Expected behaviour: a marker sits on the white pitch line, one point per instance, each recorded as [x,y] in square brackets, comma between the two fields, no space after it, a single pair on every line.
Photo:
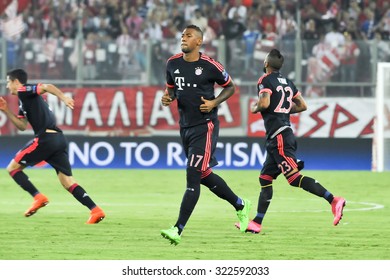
[374,206]
[371,206]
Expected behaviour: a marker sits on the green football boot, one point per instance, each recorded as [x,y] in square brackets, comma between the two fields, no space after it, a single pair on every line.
[243,215]
[172,234]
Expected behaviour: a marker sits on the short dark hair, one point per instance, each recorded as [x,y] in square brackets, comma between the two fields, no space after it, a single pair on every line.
[275,59]
[19,74]
[195,27]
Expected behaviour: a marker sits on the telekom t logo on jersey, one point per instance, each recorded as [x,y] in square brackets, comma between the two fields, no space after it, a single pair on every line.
[179,81]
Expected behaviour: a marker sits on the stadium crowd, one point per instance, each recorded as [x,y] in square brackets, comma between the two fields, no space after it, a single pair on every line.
[337,34]
[165,19]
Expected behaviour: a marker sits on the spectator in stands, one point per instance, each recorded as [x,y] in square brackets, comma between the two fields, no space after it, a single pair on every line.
[134,22]
[124,8]
[233,30]
[334,37]
[125,51]
[268,19]
[354,9]
[353,29]
[286,24]
[89,49]
[34,27]
[348,58]
[309,13]
[311,36]
[199,20]
[369,27]
[380,48]
[287,34]
[321,6]
[189,9]
[385,24]
[169,30]
[114,30]
[66,24]
[332,12]
[321,67]
[372,5]
[178,18]
[149,19]
[285,5]
[159,58]
[101,21]
[216,14]
[239,9]
[154,27]
[88,22]
[142,8]
[250,37]
[269,41]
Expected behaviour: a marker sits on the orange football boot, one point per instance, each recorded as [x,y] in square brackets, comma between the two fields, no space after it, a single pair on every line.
[39,201]
[97,215]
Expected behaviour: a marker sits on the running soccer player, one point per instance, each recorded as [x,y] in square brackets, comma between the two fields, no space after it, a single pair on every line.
[278,98]
[190,79]
[49,144]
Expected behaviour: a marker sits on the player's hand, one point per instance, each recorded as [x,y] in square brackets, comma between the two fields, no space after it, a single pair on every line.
[3,104]
[254,108]
[207,105]
[69,102]
[166,100]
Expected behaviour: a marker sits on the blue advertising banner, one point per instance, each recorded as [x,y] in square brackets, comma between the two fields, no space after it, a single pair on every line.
[167,152]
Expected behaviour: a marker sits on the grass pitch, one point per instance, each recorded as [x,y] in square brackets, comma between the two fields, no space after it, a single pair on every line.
[138,203]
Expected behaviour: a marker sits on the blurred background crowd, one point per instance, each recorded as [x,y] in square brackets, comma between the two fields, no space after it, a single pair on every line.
[324,41]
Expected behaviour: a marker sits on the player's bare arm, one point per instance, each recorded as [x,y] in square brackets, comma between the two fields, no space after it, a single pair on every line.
[226,93]
[20,123]
[168,97]
[69,102]
[299,104]
[262,103]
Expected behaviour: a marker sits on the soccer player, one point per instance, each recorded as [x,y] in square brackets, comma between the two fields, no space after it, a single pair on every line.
[49,143]
[278,98]
[190,79]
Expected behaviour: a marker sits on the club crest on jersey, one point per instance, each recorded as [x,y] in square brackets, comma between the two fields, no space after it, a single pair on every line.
[198,71]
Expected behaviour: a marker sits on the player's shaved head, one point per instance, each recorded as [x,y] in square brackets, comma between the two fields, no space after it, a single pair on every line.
[198,32]
[275,59]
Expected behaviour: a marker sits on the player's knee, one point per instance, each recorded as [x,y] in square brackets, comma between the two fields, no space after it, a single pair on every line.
[193,183]
[13,166]
[301,164]
[194,171]
[265,181]
[266,193]
[193,175]
[10,170]
[295,179]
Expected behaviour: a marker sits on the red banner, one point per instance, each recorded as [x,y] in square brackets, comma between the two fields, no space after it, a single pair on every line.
[327,118]
[124,111]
